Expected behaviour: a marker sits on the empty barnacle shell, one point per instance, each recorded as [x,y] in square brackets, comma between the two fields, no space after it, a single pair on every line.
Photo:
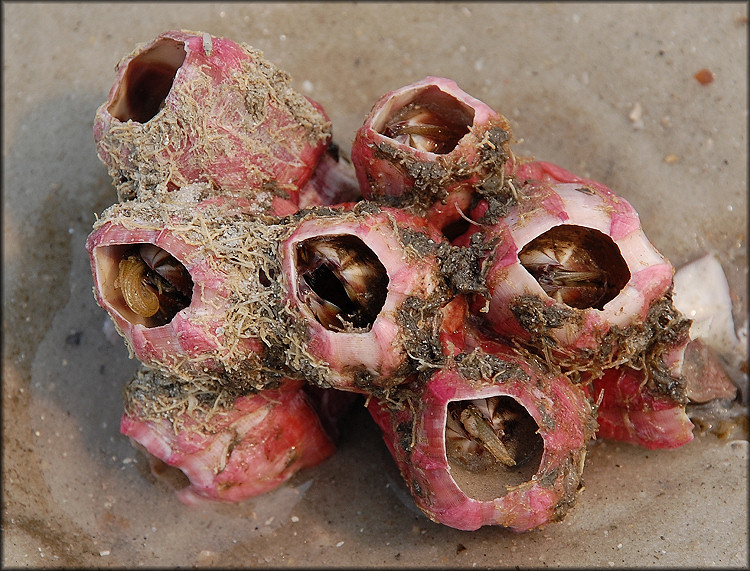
[179,114]
[214,440]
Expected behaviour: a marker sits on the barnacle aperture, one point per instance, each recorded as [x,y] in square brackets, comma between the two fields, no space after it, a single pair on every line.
[147,81]
[342,281]
[153,284]
[491,444]
[433,121]
[580,267]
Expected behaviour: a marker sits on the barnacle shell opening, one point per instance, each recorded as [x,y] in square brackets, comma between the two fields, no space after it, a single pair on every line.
[143,283]
[629,273]
[426,118]
[147,81]
[580,267]
[341,281]
[492,445]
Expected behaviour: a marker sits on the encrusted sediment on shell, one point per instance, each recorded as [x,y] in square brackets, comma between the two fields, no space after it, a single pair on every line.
[482,366]
[645,347]
[641,345]
[152,394]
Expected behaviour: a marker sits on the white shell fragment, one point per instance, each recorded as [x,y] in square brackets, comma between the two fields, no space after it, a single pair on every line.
[701,293]
[208,45]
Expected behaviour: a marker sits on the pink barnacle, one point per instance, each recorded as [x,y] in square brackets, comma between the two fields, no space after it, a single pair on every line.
[430,146]
[573,275]
[184,110]
[366,296]
[490,439]
[631,410]
[188,285]
[229,447]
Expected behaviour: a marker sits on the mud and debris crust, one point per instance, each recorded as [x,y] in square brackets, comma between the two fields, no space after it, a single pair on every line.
[153,395]
[481,366]
[494,188]
[465,268]
[570,478]
[428,179]
[420,322]
[665,327]
[538,317]
[496,191]
[640,345]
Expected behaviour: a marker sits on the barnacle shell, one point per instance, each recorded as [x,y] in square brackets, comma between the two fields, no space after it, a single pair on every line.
[523,497]
[635,289]
[179,113]
[230,448]
[403,286]
[428,146]
[627,411]
[229,324]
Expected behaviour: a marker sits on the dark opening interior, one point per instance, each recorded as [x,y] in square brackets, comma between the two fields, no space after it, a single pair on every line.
[432,121]
[147,81]
[580,267]
[341,280]
[457,228]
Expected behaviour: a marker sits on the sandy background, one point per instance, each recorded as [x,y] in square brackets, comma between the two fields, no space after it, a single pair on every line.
[607,91]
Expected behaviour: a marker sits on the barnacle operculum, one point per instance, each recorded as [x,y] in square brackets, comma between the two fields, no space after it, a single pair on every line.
[580,267]
[430,120]
[492,444]
[148,285]
[147,81]
[341,281]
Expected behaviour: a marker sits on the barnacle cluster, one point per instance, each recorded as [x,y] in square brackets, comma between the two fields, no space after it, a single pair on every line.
[487,306]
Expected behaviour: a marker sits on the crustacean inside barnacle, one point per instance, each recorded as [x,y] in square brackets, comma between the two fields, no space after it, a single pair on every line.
[494,434]
[147,81]
[153,284]
[580,267]
[433,122]
[341,280]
